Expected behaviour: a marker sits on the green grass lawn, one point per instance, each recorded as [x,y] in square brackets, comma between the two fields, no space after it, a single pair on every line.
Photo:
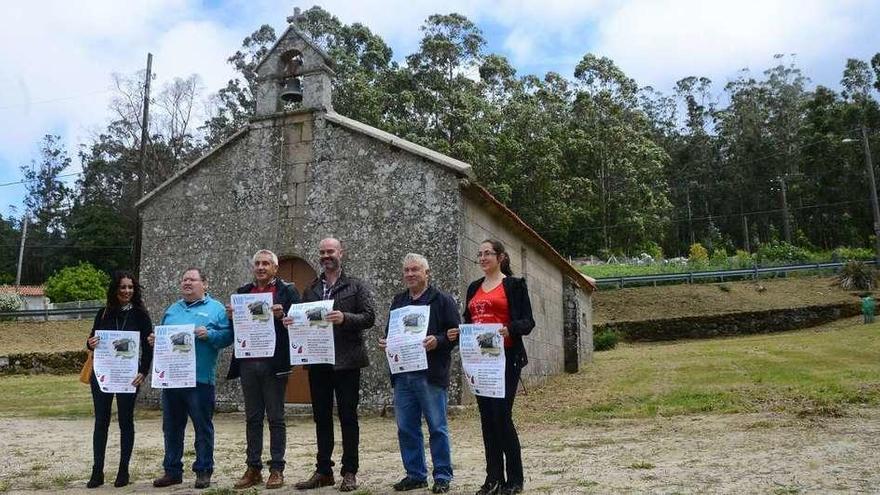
[811,372]
[819,371]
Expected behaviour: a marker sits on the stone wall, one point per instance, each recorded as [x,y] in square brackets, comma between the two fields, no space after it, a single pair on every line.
[545,345]
[725,325]
[287,183]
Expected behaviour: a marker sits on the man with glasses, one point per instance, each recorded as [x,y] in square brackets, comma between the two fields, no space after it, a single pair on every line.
[213,333]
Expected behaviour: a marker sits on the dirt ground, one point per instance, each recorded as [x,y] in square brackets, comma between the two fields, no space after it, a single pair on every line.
[671,301]
[743,453]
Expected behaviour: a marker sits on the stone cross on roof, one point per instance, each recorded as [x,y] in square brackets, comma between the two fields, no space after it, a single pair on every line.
[297,15]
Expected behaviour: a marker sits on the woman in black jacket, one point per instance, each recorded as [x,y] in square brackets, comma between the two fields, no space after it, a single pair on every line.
[124,311]
[498,297]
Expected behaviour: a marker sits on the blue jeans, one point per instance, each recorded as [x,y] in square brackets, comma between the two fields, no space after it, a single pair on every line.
[198,404]
[413,398]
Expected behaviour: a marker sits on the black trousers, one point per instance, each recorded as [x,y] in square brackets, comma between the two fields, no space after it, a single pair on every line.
[103,403]
[324,383]
[500,439]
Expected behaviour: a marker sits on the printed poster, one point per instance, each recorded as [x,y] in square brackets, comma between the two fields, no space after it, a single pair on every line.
[311,335]
[482,358]
[116,360]
[254,325]
[404,348]
[174,356]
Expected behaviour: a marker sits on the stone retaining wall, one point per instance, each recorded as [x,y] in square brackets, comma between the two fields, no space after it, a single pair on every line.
[730,324]
[55,363]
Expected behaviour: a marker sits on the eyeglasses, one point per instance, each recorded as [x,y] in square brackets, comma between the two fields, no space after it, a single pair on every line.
[483,254]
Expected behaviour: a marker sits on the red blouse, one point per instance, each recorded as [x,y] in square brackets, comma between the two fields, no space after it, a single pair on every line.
[491,307]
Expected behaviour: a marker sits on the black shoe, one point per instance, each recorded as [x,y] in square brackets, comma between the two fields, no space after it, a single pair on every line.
[97,478]
[203,480]
[408,483]
[166,480]
[510,489]
[440,486]
[122,478]
[489,488]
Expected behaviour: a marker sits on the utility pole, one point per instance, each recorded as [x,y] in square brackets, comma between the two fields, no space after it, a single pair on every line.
[145,134]
[24,224]
[786,226]
[875,209]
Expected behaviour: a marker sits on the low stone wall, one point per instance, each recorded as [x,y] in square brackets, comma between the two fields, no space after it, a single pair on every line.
[725,325]
[56,363]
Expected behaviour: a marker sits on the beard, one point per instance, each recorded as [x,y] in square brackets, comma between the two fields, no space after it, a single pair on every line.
[329,263]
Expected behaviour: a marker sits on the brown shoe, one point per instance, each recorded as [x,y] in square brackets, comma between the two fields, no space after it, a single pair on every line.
[349,483]
[316,481]
[166,480]
[251,477]
[276,479]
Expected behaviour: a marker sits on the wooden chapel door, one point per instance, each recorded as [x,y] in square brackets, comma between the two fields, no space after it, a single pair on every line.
[298,271]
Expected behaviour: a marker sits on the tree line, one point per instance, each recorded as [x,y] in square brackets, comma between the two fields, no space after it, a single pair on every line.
[596,163]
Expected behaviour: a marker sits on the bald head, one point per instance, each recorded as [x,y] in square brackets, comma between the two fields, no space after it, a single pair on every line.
[330,255]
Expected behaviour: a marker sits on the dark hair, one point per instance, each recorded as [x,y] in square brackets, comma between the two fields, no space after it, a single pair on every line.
[137,299]
[502,255]
[201,273]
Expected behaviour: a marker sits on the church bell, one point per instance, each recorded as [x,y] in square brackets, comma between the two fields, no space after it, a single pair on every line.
[292,91]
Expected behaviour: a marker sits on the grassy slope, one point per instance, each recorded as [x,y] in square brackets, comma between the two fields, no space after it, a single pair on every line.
[816,371]
[39,336]
[642,303]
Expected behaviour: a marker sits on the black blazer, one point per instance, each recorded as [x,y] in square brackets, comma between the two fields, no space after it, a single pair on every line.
[520,311]
[135,319]
[285,295]
[443,316]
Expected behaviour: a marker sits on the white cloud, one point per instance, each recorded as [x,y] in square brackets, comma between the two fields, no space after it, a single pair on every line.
[55,49]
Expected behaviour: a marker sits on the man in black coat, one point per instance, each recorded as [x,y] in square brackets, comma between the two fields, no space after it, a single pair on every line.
[424,392]
[264,380]
[352,314]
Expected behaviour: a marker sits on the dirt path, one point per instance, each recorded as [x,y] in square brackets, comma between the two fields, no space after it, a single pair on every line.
[746,453]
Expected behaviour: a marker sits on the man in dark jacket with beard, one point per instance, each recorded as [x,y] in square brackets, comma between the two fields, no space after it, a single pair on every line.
[352,314]
[264,380]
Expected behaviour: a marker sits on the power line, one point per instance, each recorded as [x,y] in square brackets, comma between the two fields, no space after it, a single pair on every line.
[53,100]
[25,181]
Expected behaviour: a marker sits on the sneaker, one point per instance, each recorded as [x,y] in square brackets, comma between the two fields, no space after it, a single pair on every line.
[251,477]
[440,486]
[317,480]
[203,480]
[407,484]
[166,480]
[276,479]
[489,488]
[511,489]
[349,483]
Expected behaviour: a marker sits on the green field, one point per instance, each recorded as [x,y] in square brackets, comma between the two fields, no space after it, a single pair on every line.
[810,372]
[819,371]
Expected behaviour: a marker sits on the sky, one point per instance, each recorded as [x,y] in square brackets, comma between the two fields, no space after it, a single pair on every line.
[57,57]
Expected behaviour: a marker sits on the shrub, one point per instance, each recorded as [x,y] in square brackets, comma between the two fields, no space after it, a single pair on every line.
[652,249]
[743,259]
[781,251]
[852,254]
[83,282]
[10,302]
[605,340]
[855,275]
[697,254]
[719,257]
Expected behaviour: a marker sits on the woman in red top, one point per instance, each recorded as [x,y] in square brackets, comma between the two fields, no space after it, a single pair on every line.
[498,297]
